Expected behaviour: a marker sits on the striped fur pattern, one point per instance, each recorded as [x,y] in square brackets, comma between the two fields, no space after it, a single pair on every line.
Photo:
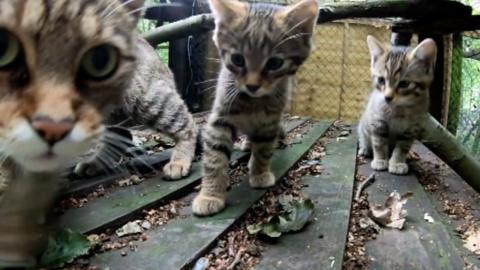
[151,100]
[63,65]
[398,103]
[261,47]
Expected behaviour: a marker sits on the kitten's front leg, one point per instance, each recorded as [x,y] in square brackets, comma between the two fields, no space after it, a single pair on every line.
[218,143]
[398,162]
[259,163]
[380,153]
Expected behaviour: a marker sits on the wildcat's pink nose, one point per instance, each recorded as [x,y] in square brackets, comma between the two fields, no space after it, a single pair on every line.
[50,130]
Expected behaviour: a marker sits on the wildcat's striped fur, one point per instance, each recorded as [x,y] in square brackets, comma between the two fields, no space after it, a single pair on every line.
[151,100]
[261,46]
[398,104]
[63,65]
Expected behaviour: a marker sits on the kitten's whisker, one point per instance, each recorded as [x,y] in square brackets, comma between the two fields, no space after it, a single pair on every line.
[291,37]
[119,7]
[295,27]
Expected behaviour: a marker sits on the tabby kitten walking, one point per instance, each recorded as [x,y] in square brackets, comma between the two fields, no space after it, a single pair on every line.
[151,100]
[261,47]
[398,104]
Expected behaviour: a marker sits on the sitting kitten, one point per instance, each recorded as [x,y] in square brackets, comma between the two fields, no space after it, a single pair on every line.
[151,100]
[398,104]
[261,47]
[63,65]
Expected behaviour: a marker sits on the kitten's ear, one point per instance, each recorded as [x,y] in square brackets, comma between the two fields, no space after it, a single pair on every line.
[135,7]
[376,48]
[227,10]
[303,14]
[426,51]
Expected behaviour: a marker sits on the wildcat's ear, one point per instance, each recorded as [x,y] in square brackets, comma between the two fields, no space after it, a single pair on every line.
[426,52]
[376,49]
[135,7]
[227,11]
[303,15]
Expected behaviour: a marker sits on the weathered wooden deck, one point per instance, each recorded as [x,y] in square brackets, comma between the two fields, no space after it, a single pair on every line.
[184,238]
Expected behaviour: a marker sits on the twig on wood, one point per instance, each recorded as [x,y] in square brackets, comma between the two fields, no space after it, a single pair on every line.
[237,259]
[363,185]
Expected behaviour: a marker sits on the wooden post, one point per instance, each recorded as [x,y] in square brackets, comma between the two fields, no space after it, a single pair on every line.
[455,96]
[436,90]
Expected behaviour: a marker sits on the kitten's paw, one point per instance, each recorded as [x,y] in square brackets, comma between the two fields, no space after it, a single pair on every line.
[207,205]
[177,169]
[398,168]
[245,146]
[87,168]
[263,180]
[379,164]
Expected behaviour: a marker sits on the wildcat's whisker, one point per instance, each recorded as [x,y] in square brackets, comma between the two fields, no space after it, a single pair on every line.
[298,35]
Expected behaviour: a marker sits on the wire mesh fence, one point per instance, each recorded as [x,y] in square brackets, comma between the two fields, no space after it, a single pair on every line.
[464,104]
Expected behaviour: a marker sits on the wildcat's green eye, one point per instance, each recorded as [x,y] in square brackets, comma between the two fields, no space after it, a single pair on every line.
[99,63]
[403,84]
[238,60]
[274,63]
[10,48]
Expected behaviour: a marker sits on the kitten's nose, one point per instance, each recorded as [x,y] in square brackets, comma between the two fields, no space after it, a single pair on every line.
[388,99]
[50,130]
[252,88]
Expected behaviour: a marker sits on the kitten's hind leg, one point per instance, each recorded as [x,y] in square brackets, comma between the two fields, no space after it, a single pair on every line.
[259,163]
[398,162]
[218,143]
[364,145]
[380,153]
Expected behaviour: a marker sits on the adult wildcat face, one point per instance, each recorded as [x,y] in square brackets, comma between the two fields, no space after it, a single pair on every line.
[260,43]
[62,64]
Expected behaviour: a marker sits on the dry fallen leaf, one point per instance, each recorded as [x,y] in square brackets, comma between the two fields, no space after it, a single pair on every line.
[472,240]
[428,218]
[391,214]
[130,228]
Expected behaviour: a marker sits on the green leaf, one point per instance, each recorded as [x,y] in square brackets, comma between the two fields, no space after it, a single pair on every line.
[63,247]
[296,214]
[271,230]
[254,228]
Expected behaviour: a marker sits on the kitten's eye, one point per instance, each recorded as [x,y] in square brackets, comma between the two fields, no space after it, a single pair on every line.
[381,80]
[99,63]
[238,60]
[10,49]
[403,84]
[274,63]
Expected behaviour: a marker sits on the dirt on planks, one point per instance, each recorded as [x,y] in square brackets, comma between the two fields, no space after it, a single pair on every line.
[240,250]
[459,202]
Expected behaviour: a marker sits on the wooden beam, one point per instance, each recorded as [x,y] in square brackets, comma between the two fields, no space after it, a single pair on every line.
[439,25]
[442,10]
[397,8]
[444,145]
[193,25]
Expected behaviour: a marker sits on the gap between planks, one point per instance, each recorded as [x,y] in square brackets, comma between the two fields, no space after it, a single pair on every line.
[125,203]
[177,244]
[321,245]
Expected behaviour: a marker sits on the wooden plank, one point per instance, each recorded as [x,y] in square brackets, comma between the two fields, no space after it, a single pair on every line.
[420,245]
[321,245]
[181,241]
[453,188]
[124,203]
